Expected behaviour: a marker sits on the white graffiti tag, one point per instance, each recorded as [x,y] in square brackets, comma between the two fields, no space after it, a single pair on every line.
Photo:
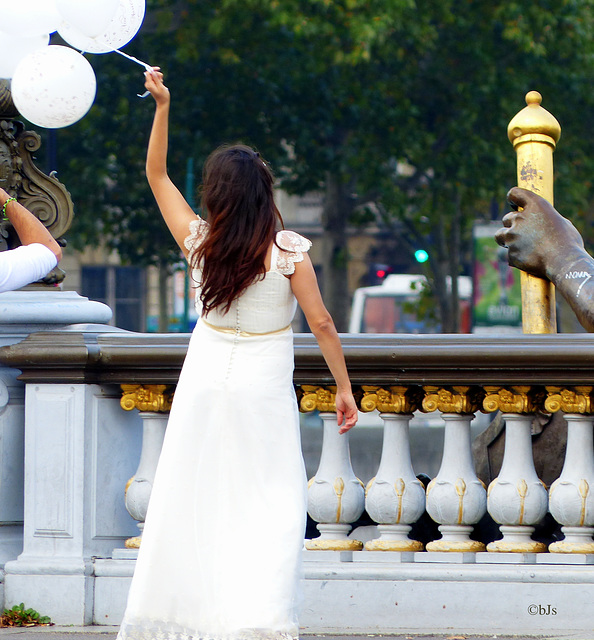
[578,275]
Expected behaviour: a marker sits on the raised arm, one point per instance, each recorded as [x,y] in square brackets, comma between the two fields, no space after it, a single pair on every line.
[305,287]
[29,229]
[176,212]
[542,242]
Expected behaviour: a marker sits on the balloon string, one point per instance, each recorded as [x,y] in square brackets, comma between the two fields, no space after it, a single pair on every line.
[141,63]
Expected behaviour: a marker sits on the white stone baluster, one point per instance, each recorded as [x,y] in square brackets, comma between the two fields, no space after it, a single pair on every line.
[571,499]
[336,496]
[154,402]
[517,498]
[395,498]
[456,498]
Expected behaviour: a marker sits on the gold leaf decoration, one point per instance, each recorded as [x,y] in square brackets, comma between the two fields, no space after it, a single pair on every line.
[316,398]
[156,398]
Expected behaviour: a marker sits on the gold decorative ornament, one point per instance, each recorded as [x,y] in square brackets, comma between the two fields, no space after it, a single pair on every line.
[571,547]
[393,545]
[456,546]
[151,397]
[534,133]
[313,397]
[584,490]
[520,399]
[522,488]
[569,400]
[338,490]
[128,484]
[530,546]
[397,399]
[459,399]
[133,543]
[324,544]
[460,487]
[399,487]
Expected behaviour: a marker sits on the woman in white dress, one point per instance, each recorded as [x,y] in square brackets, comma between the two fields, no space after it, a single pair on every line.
[220,557]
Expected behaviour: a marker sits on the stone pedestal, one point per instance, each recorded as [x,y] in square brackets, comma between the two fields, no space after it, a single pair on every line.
[74,507]
[56,449]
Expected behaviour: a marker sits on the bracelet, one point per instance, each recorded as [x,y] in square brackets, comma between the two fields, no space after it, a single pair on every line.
[4,216]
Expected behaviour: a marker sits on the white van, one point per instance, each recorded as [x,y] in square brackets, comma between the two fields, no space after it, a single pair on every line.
[383,308]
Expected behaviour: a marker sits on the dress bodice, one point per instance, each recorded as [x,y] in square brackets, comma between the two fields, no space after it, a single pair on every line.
[268,304]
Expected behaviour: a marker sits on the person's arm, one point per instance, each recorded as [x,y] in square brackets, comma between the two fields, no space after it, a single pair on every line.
[176,212]
[543,243]
[305,288]
[29,229]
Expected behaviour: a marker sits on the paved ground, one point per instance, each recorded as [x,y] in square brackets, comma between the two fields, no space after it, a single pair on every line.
[109,633]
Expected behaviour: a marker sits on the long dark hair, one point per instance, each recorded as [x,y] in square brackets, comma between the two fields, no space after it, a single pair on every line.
[237,195]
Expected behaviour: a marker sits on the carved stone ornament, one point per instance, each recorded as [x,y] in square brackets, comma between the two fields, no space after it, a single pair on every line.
[520,399]
[462,400]
[569,400]
[133,543]
[313,397]
[45,196]
[391,400]
[151,397]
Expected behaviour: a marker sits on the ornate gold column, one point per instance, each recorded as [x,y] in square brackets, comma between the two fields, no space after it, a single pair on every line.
[534,133]
[154,402]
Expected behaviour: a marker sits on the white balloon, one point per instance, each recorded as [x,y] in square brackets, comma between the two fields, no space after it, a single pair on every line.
[54,87]
[29,18]
[122,28]
[14,48]
[90,17]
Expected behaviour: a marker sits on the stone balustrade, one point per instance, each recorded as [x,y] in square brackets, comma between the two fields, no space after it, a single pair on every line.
[398,376]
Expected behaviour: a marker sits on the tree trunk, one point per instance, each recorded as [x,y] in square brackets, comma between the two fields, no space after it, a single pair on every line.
[455,233]
[447,247]
[334,283]
[439,267]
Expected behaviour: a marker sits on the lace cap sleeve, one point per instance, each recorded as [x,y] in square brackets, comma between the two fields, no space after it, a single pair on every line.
[292,246]
[198,229]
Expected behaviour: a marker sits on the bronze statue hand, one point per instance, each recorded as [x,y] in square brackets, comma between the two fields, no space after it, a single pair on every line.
[539,239]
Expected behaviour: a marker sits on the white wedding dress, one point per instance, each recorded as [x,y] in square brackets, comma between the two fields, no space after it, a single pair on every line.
[220,557]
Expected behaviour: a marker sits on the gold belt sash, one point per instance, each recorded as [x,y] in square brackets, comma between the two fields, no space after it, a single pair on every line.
[244,334]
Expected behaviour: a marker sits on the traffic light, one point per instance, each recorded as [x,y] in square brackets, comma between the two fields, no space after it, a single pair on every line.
[421,255]
[381,273]
[378,272]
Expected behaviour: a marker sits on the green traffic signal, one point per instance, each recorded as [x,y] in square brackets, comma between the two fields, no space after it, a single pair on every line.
[421,255]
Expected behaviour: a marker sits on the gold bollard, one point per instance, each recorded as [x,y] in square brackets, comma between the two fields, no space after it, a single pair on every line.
[534,133]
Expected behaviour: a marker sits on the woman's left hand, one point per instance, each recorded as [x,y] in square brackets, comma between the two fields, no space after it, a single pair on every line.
[346,411]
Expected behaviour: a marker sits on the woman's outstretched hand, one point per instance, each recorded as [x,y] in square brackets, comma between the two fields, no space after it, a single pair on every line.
[346,411]
[153,83]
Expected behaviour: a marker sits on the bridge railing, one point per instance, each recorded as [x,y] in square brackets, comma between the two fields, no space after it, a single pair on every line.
[96,406]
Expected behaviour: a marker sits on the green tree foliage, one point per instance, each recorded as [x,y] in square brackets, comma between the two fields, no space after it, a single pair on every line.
[395,110]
